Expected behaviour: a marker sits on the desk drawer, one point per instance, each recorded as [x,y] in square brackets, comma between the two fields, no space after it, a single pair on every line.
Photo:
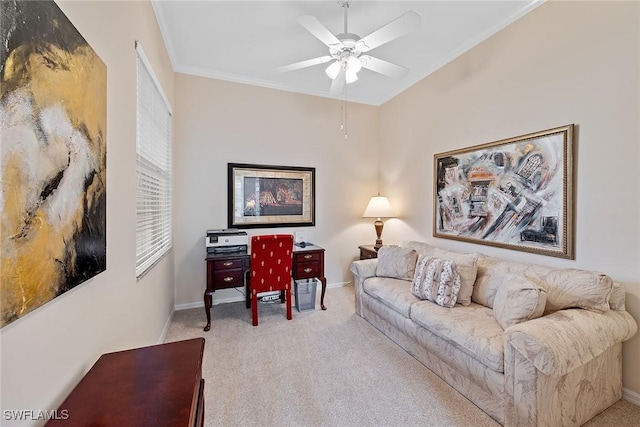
[306,257]
[227,264]
[306,270]
[228,278]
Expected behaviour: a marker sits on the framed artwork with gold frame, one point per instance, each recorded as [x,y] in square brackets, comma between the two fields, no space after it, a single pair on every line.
[516,193]
[270,196]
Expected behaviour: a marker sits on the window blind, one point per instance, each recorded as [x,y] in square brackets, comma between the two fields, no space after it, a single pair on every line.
[153,168]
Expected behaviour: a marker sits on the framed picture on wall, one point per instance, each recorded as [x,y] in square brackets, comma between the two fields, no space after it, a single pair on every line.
[261,196]
[53,184]
[515,193]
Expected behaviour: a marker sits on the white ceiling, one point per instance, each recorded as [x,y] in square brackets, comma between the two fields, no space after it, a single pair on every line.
[244,41]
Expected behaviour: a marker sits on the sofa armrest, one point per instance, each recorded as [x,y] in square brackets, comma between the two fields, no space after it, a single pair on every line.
[362,270]
[566,339]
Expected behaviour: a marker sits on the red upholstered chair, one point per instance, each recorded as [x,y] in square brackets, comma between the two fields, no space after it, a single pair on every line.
[271,259]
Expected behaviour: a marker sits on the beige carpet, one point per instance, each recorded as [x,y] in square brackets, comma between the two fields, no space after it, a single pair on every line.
[324,368]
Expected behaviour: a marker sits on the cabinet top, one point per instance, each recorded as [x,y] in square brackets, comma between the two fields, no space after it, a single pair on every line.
[308,247]
[296,249]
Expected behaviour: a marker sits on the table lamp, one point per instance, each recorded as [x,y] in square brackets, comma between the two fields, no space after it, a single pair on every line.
[378,207]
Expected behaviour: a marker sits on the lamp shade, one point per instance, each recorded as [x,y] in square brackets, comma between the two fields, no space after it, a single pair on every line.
[378,207]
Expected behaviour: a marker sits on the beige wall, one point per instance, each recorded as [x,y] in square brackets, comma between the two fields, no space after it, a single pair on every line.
[219,122]
[565,62]
[45,353]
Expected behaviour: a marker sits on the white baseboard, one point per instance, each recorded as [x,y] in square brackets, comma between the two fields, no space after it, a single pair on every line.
[239,298]
[631,396]
[189,305]
[163,335]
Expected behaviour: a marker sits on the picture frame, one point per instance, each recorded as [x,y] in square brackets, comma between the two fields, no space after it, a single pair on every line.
[266,196]
[516,193]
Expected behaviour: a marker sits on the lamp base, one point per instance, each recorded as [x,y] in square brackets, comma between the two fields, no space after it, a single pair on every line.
[378,225]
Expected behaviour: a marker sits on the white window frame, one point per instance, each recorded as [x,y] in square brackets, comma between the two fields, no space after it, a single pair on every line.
[154,131]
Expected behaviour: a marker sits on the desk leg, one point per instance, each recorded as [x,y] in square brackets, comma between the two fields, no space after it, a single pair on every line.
[247,288]
[208,297]
[324,288]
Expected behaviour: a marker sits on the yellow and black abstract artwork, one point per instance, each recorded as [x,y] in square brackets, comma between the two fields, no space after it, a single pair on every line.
[53,119]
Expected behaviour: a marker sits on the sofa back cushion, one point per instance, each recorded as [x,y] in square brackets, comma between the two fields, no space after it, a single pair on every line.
[518,300]
[420,247]
[396,262]
[566,288]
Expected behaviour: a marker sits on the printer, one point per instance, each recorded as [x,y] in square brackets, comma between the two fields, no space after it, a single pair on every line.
[226,241]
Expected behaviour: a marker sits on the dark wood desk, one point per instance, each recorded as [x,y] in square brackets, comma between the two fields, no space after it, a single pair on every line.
[232,271]
[161,385]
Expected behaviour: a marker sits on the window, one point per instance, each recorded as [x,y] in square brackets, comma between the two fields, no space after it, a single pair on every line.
[153,168]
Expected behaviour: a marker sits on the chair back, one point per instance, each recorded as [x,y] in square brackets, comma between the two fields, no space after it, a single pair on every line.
[271,260]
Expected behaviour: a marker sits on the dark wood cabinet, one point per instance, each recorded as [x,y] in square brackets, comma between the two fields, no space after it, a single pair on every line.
[160,385]
[307,265]
[227,272]
[368,252]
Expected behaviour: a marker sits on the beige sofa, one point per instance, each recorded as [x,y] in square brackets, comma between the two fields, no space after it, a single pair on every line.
[528,344]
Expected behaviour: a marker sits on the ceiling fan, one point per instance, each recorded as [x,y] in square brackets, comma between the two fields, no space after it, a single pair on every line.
[346,49]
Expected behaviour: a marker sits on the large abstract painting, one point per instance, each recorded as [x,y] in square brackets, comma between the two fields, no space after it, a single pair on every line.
[515,193]
[53,157]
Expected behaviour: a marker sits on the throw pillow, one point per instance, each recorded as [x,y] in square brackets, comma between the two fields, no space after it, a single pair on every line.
[518,300]
[396,262]
[467,266]
[436,280]
[572,288]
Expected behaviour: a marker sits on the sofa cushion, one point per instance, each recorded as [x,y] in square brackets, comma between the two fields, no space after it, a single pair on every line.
[566,288]
[518,300]
[394,293]
[436,280]
[473,329]
[467,267]
[396,262]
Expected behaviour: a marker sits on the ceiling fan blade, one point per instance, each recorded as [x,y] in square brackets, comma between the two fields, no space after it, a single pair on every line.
[394,29]
[337,85]
[383,67]
[303,64]
[320,31]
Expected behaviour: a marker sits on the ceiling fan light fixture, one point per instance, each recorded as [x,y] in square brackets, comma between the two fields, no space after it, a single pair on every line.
[350,76]
[354,64]
[333,70]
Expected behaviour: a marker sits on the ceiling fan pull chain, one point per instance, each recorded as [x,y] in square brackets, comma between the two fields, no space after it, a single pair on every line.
[345,126]
[342,115]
